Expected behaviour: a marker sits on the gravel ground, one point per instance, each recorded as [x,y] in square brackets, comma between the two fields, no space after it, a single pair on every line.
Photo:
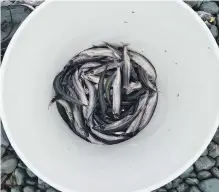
[202,176]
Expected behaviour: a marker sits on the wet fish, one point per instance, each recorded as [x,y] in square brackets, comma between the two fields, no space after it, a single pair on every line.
[101,94]
[92,78]
[59,91]
[79,88]
[85,67]
[145,80]
[143,62]
[108,85]
[133,86]
[78,121]
[94,140]
[142,105]
[118,125]
[81,59]
[149,111]
[67,108]
[92,99]
[116,52]
[110,66]
[96,52]
[107,137]
[126,67]
[117,93]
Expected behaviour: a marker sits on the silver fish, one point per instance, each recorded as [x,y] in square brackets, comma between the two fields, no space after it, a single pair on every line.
[89,65]
[126,68]
[133,86]
[93,140]
[149,111]
[92,78]
[107,137]
[92,99]
[115,51]
[67,108]
[142,105]
[120,124]
[100,69]
[78,121]
[145,64]
[79,88]
[98,52]
[117,93]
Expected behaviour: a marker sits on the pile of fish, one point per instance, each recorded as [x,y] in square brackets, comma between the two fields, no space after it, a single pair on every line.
[106,94]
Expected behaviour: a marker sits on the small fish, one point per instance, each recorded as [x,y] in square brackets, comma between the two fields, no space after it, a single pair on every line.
[149,111]
[92,78]
[116,52]
[118,125]
[126,67]
[135,95]
[101,94]
[94,140]
[117,93]
[142,105]
[67,108]
[133,86]
[110,66]
[92,99]
[145,79]
[96,52]
[108,85]
[78,121]
[79,88]
[82,59]
[85,67]
[107,137]
[143,62]
[133,74]
[63,114]
[59,91]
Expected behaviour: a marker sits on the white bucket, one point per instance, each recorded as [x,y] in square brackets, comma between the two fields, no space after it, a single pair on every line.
[185,56]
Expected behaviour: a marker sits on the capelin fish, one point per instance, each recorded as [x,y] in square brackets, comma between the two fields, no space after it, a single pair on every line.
[59,91]
[63,114]
[142,105]
[92,78]
[67,113]
[116,52]
[135,96]
[85,67]
[107,137]
[82,59]
[145,64]
[145,80]
[118,125]
[101,94]
[79,88]
[126,67]
[133,86]
[133,73]
[108,85]
[78,121]
[95,52]
[92,99]
[110,66]
[117,93]
[149,110]
[94,140]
